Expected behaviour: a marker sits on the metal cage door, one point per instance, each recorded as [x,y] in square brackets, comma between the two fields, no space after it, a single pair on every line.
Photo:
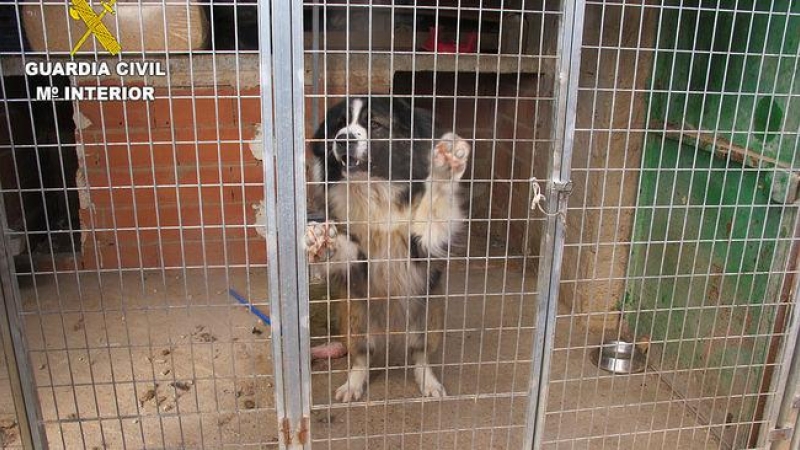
[284,139]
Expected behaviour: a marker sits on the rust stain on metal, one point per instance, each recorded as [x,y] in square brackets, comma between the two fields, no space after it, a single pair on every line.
[286,430]
[302,432]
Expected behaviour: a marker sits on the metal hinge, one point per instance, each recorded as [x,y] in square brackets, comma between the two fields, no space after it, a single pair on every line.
[780,434]
[796,402]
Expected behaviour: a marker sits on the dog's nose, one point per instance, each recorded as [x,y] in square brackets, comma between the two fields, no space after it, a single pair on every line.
[345,139]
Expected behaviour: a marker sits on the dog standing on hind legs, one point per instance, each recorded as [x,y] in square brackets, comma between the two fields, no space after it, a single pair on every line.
[387,179]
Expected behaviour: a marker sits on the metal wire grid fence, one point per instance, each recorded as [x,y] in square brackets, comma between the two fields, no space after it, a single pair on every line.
[494,99]
[680,237]
[134,219]
[140,345]
[123,318]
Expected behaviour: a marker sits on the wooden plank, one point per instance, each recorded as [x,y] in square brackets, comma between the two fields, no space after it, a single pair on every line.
[719,146]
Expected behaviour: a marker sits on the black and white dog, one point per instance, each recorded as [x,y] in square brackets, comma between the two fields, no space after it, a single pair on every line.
[387,179]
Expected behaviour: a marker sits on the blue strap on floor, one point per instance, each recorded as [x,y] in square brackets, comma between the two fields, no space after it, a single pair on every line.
[242,300]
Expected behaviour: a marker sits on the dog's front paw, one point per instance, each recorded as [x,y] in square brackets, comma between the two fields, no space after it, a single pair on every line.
[320,241]
[349,392]
[450,157]
[431,387]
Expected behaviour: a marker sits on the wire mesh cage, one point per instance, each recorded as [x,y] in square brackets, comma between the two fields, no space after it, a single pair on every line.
[484,71]
[129,225]
[681,233]
[373,224]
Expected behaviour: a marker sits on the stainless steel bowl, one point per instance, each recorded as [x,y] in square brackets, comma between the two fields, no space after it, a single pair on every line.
[618,357]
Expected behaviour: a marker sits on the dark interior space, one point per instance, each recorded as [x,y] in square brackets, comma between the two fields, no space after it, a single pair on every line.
[10,36]
[499,115]
[234,24]
[38,165]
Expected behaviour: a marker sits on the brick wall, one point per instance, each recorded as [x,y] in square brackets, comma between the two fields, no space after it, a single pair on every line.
[170,183]
[177,185]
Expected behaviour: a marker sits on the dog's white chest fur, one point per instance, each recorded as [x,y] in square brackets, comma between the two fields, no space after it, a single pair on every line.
[369,206]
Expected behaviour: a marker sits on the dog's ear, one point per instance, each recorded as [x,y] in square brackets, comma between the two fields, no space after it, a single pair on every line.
[451,152]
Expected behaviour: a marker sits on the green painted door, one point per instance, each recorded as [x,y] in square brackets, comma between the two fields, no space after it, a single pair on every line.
[716,209]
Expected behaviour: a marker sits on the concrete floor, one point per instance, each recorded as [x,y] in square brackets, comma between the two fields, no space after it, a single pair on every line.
[168,360]
[9,432]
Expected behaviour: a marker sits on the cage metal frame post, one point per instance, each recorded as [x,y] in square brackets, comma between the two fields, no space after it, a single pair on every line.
[18,366]
[281,59]
[783,407]
[780,410]
[18,363]
[785,415]
[20,373]
[557,192]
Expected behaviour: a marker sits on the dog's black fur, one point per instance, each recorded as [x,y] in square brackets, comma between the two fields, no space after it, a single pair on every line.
[407,163]
[387,179]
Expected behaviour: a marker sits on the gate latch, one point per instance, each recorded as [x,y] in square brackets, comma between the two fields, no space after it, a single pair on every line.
[537,198]
[563,187]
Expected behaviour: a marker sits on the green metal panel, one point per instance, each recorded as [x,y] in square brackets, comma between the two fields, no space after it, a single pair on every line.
[708,227]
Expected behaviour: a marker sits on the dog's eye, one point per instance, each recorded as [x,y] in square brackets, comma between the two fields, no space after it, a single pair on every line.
[375,125]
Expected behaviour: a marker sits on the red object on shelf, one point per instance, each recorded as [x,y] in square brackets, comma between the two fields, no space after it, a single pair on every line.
[468,45]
